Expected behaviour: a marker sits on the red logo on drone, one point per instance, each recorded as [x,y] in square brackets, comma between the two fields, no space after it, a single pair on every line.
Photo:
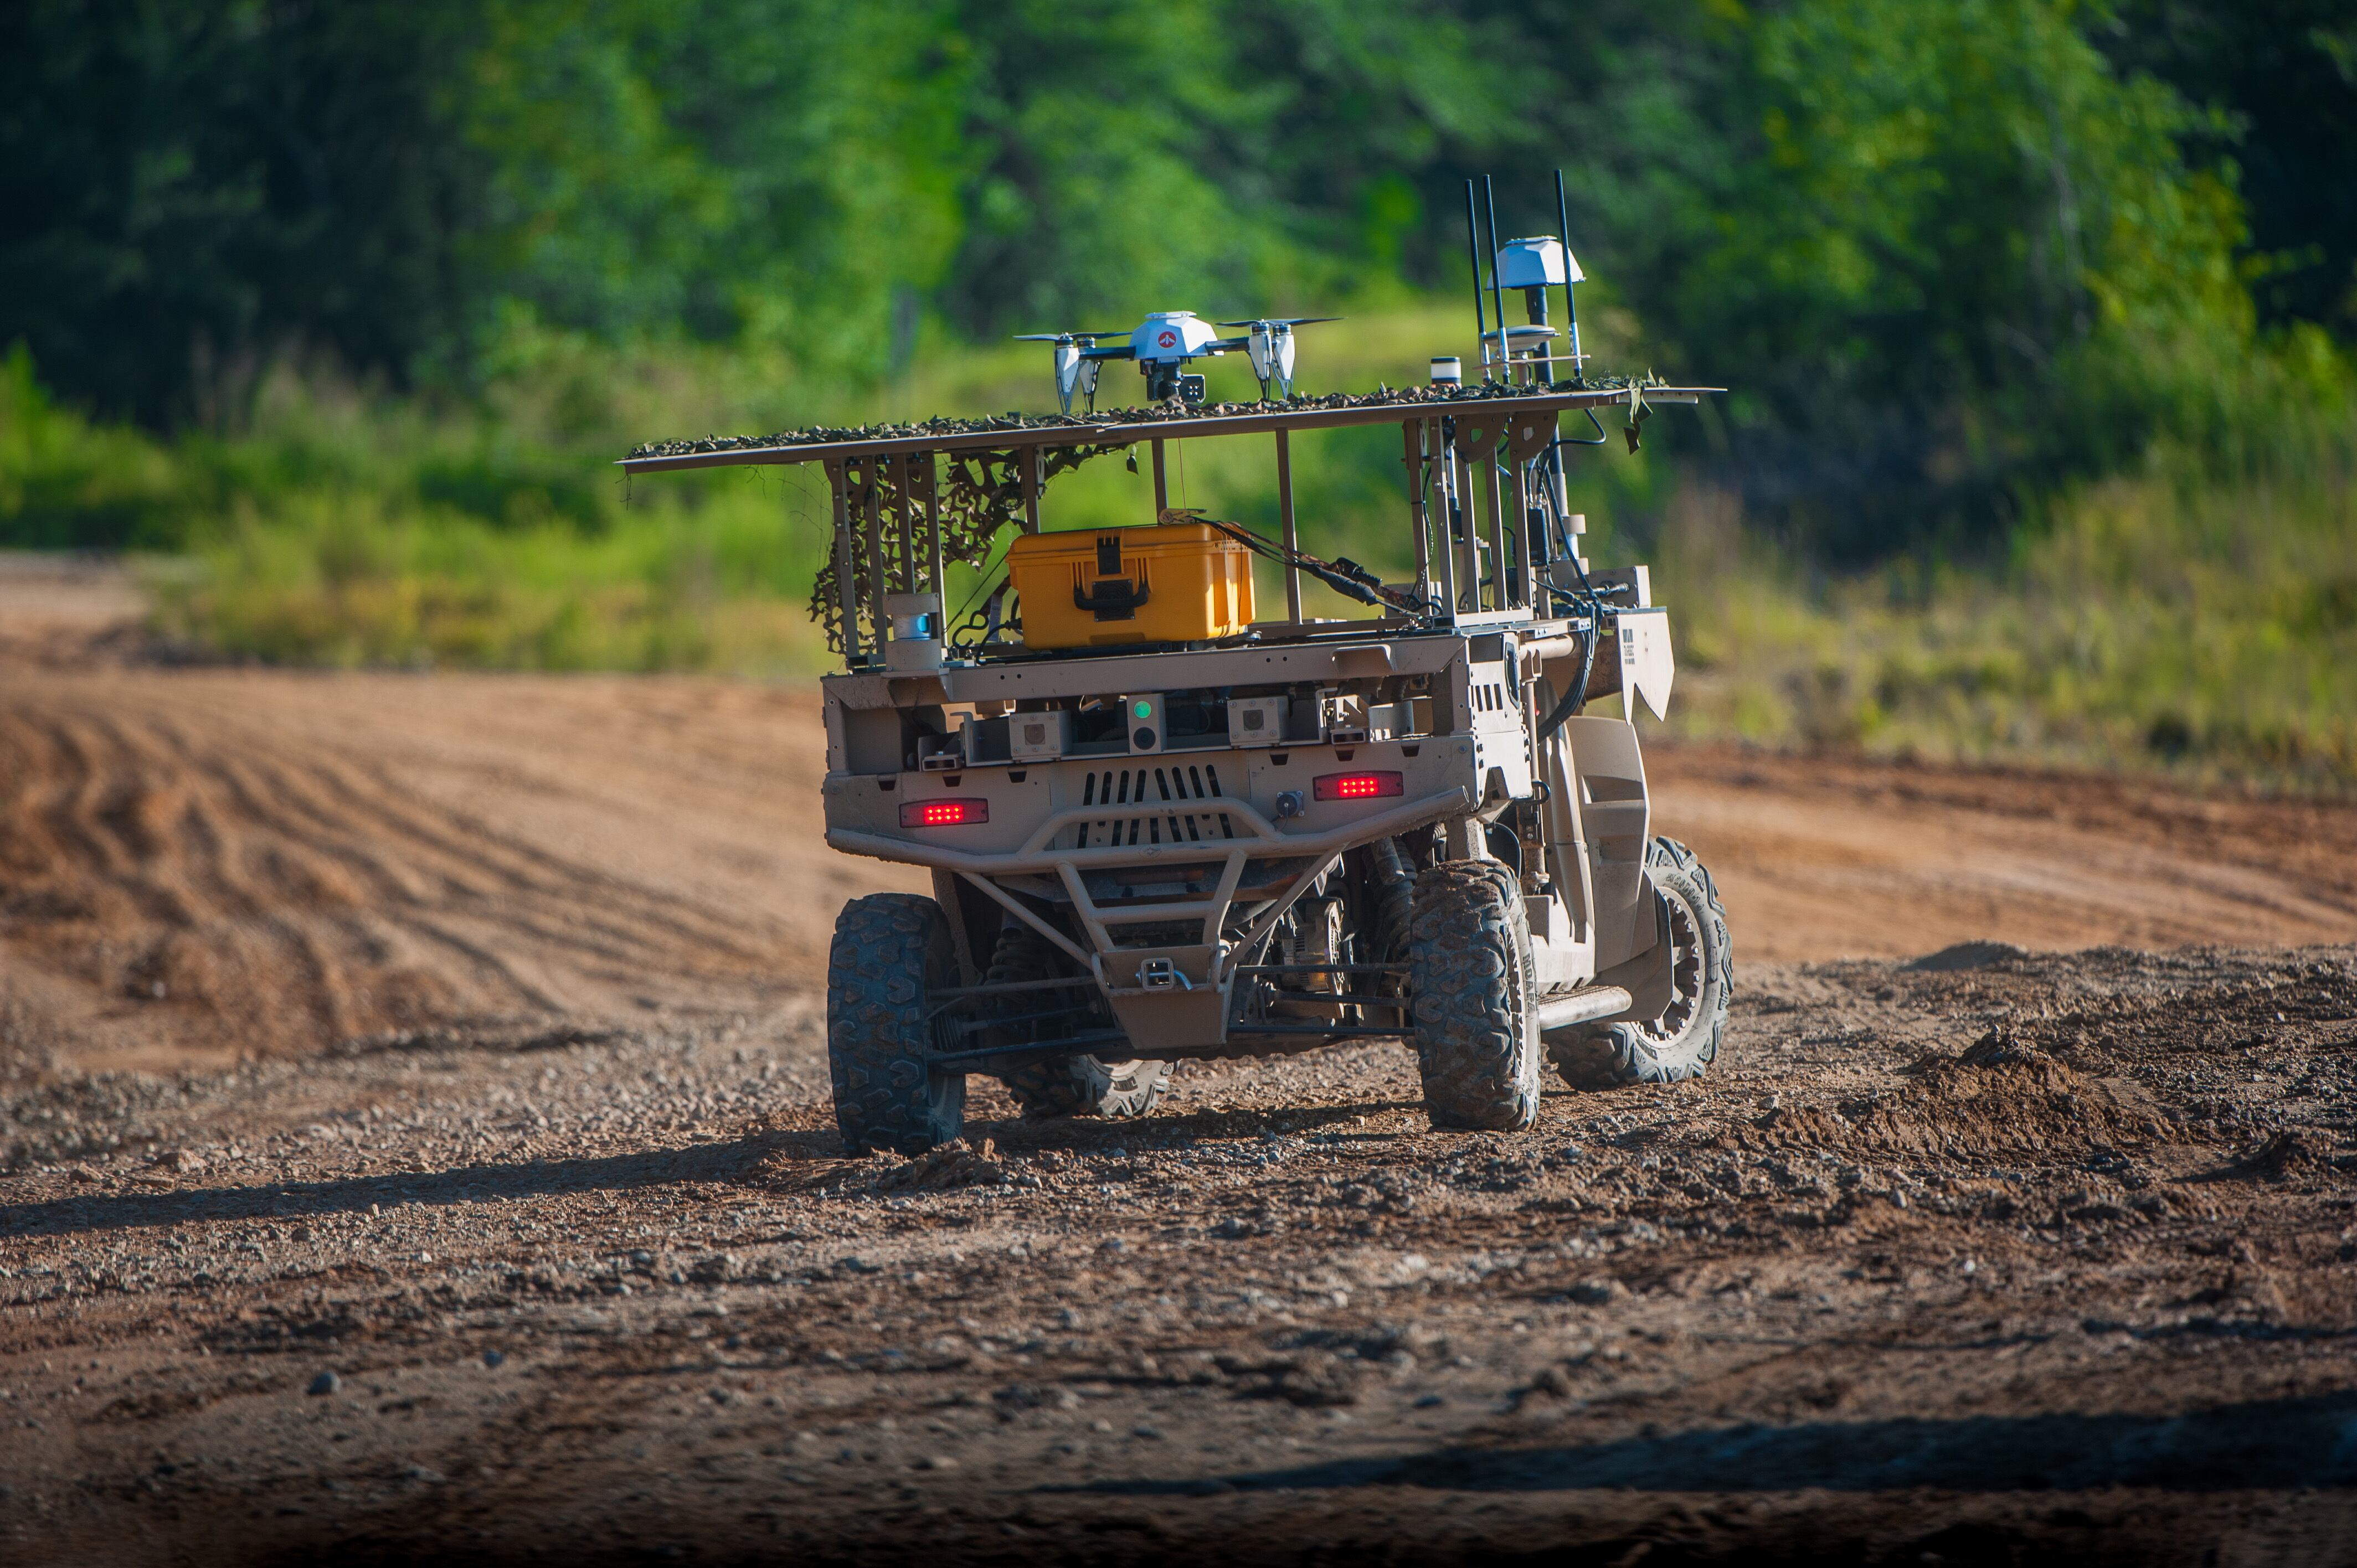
[1166,339]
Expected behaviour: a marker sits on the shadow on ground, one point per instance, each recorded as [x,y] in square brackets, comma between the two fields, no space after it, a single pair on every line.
[2266,1444]
[462,1184]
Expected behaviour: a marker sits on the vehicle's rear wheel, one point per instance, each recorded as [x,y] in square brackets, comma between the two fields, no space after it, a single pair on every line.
[1475,1009]
[891,953]
[1071,1086]
[1683,1040]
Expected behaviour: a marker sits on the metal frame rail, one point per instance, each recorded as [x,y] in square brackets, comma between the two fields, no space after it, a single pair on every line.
[888,523]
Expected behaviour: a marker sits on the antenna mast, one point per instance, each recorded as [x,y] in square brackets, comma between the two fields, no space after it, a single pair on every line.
[1497,295]
[1571,305]
[1473,254]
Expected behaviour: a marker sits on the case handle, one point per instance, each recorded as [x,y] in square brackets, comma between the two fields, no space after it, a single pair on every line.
[1112,598]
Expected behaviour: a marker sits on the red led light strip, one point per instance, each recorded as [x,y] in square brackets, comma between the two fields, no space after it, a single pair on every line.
[945,814]
[1355,785]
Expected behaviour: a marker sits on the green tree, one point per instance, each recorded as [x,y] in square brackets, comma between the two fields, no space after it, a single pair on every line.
[192,189]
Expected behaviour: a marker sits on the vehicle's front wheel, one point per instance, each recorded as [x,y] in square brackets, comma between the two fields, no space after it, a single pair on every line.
[891,953]
[1475,1008]
[1683,1040]
[1071,1086]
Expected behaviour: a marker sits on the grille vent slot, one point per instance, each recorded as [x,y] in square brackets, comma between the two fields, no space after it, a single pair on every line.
[1165,805]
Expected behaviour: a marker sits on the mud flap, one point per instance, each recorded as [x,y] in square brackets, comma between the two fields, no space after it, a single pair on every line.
[974,924]
[1608,771]
[1649,978]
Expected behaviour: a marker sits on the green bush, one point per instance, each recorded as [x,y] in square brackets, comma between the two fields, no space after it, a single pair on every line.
[2169,617]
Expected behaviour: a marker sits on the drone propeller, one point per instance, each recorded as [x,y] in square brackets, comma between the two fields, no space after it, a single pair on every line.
[1077,366]
[1270,343]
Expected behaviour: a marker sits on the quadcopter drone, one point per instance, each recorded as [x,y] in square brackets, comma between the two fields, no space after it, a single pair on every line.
[1163,344]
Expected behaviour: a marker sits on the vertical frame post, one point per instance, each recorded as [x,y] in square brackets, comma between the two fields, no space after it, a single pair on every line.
[1444,460]
[846,575]
[872,525]
[1284,519]
[1031,461]
[925,474]
[1161,485]
[1412,442]
[1525,547]
[903,473]
[1498,556]
[1468,510]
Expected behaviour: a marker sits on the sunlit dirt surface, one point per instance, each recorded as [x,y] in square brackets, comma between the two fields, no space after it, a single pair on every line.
[453,1047]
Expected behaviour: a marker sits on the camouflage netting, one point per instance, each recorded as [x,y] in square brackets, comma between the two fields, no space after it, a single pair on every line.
[977,494]
[981,493]
[1169,412]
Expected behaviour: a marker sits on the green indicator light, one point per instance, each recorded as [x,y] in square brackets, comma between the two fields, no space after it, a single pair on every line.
[1144,710]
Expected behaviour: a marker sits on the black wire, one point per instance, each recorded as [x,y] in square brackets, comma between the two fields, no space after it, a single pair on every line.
[1586,598]
[1364,588]
[1576,698]
[1601,436]
[981,591]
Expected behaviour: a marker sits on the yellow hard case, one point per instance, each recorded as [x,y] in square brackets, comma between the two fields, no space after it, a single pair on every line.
[1171,582]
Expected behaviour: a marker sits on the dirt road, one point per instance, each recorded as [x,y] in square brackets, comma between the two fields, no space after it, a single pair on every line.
[452,1047]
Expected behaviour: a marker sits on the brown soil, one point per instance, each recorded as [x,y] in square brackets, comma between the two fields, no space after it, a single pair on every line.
[462,1038]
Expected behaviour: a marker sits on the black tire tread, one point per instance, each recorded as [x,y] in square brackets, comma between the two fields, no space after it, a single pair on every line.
[1616,1056]
[889,950]
[1470,976]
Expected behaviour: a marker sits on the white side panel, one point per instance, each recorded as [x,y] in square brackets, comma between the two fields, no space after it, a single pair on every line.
[1608,771]
[1647,665]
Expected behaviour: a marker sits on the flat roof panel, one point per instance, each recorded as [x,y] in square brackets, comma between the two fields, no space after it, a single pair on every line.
[1175,427]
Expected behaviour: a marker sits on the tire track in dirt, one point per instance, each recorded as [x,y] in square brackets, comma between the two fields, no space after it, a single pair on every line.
[297,858]
[1833,856]
[181,880]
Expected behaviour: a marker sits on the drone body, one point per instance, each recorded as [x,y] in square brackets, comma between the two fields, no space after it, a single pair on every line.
[1163,344]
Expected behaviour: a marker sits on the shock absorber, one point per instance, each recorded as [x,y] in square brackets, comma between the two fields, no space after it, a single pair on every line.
[1394,898]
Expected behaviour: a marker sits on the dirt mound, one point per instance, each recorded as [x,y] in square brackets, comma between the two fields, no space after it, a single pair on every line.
[2002,1045]
[1999,1099]
[953,1164]
[1959,956]
[2288,1157]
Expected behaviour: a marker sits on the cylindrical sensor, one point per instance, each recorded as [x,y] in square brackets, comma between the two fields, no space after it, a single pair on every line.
[1448,371]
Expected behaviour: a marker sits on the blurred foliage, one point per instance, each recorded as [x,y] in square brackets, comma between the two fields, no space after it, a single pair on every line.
[2160,619]
[2036,313]
[2281,76]
[1945,250]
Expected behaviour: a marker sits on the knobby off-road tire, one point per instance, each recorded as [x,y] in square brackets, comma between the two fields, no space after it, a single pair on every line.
[891,953]
[1474,1005]
[1073,1086]
[1685,1039]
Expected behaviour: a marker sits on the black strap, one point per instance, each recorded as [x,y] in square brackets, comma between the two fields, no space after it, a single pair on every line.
[1112,598]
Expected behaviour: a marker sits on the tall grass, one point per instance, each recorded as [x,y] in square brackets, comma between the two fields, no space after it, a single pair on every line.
[2166,618]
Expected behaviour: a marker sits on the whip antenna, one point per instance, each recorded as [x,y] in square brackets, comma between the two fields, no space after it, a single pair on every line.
[1473,254]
